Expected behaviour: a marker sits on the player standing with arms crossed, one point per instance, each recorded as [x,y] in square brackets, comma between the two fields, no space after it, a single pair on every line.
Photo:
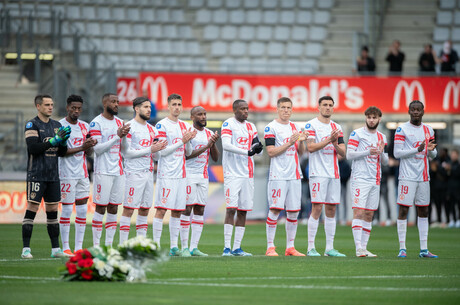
[197,181]
[414,143]
[284,143]
[139,148]
[73,173]
[240,143]
[108,130]
[45,140]
[324,142]
[171,179]
[365,149]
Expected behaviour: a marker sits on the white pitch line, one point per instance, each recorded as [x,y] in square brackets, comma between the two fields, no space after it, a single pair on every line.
[35,278]
[28,260]
[314,277]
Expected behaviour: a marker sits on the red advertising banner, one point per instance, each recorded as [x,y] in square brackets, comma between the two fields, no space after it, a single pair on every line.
[126,90]
[216,92]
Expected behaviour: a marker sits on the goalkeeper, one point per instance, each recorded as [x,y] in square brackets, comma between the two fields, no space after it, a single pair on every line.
[46,141]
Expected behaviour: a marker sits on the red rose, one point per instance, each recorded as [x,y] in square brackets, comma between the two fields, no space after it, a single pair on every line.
[77,257]
[87,274]
[73,259]
[85,263]
[86,254]
[72,268]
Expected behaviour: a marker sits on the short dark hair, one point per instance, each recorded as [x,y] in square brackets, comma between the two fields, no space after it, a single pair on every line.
[325,98]
[74,98]
[174,96]
[372,110]
[194,109]
[416,102]
[38,100]
[283,100]
[139,100]
[365,48]
[107,95]
[237,102]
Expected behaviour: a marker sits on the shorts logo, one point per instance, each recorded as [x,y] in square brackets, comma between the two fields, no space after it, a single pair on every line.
[242,141]
[313,194]
[32,195]
[227,200]
[158,126]
[267,129]
[225,124]
[356,200]
[98,197]
[163,200]
[187,198]
[92,124]
[275,200]
[29,124]
[307,126]
[401,197]
[353,133]
[130,200]
[63,196]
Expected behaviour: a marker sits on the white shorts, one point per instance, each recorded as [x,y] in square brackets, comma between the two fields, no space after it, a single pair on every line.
[138,190]
[325,190]
[108,189]
[239,193]
[74,189]
[197,191]
[284,193]
[365,196]
[170,194]
[410,192]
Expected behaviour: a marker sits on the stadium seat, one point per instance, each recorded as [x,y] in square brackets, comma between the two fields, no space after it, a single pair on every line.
[218,48]
[228,32]
[259,65]
[299,33]
[447,4]
[162,15]
[318,33]
[93,28]
[151,46]
[321,17]
[314,49]
[232,3]
[210,32]
[237,48]
[164,47]
[281,33]
[118,13]
[444,18]
[251,4]
[203,16]
[196,3]
[237,17]
[294,49]
[179,47]
[327,4]
[264,33]
[269,4]
[287,4]
[73,12]
[155,30]
[193,48]
[170,31]
[220,16]
[246,32]
[456,34]
[88,12]
[133,14]
[270,17]
[303,17]
[176,16]
[306,3]
[185,32]
[139,30]
[124,29]
[215,3]
[243,65]
[253,16]
[441,34]
[457,17]
[147,14]
[256,49]
[275,49]
[286,17]
[226,64]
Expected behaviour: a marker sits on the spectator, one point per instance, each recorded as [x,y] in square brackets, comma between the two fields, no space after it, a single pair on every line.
[365,63]
[395,58]
[448,58]
[427,60]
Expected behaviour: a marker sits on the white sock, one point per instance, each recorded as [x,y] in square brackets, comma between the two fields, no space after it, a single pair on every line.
[272,220]
[141,225]
[422,224]
[312,229]
[367,227]
[110,228]
[64,225]
[125,223]
[402,229]
[184,230]
[228,231]
[291,228]
[80,225]
[329,229]
[197,229]
[157,229]
[357,229]
[97,228]
[239,233]
[174,227]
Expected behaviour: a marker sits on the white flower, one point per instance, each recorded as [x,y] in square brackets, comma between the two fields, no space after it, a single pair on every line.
[98,264]
[113,252]
[114,262]
[124,267]
[108,270]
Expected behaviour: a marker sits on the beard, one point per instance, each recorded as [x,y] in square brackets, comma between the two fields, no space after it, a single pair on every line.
[199,124]
[144,117]
[372,128]
[111,111]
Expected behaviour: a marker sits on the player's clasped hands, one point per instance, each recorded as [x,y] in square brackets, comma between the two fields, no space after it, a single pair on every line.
[61,136]
[295,136]
[158,145]
[123,130]
[213,139]
[255,149]
[188,135]
[89,142]
[377,150]
[334,135]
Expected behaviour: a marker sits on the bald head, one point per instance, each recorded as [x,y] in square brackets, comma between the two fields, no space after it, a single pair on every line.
[195,110]
[198,116]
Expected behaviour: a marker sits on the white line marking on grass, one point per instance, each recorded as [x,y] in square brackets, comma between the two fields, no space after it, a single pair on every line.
[35,278]
[313,277]
[159,282]
[27,260]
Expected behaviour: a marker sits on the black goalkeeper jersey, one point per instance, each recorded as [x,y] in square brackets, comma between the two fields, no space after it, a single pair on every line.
[42,162]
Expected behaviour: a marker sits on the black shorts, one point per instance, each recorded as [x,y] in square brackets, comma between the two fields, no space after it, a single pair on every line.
[49,191]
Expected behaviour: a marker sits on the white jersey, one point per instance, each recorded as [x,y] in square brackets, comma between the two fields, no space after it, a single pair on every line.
[139,137]
[74,166]
[324,162]
[409,137]
[110,161]
[369,167]
[285,166]
[172,165]
[241,135]
[198,166]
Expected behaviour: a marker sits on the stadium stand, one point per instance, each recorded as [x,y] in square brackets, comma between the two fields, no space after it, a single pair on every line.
[447,25]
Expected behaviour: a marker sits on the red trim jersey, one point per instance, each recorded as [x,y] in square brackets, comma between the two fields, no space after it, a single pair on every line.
[139,137]
[172,165]
[409,137]
[198,166]
[109,162]
[74,166]
[368,168]
[323,162]
[241,135]
[285,166]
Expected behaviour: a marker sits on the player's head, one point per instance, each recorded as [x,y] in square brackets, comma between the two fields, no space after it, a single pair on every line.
[326,106]
[284,108]
[416,112]
[198,116]
[454,155]
[44,104]
[74,107]
[142,108]
[373,117]
[110,103]
[175,104]
[241,110]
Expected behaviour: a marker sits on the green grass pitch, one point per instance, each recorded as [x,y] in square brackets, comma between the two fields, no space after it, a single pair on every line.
[249,280]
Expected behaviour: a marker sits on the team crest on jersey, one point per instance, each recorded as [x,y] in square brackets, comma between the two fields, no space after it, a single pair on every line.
[92,124]
[275,200]
[29,124]
[353,133]
[398,129]
[225,124]
[242,141]
[56,130]
[267,129]
[307,126]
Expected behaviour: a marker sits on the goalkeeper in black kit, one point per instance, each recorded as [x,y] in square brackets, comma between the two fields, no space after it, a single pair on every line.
[46,141]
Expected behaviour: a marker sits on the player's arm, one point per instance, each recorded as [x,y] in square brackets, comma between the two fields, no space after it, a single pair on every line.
[432,152]
[214,152]
[338,142]
[87,146]
[256,147]
[34,146]
[274,151]
[399,151]
[352,148]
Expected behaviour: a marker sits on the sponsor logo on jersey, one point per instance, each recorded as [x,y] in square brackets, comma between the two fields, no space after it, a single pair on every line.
[144,143]
[199,146]
[29,124]
[417,144]
[174,141]
[77,141]
[242,141]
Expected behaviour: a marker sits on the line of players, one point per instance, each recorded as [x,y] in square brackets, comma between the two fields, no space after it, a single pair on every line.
[124,163]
